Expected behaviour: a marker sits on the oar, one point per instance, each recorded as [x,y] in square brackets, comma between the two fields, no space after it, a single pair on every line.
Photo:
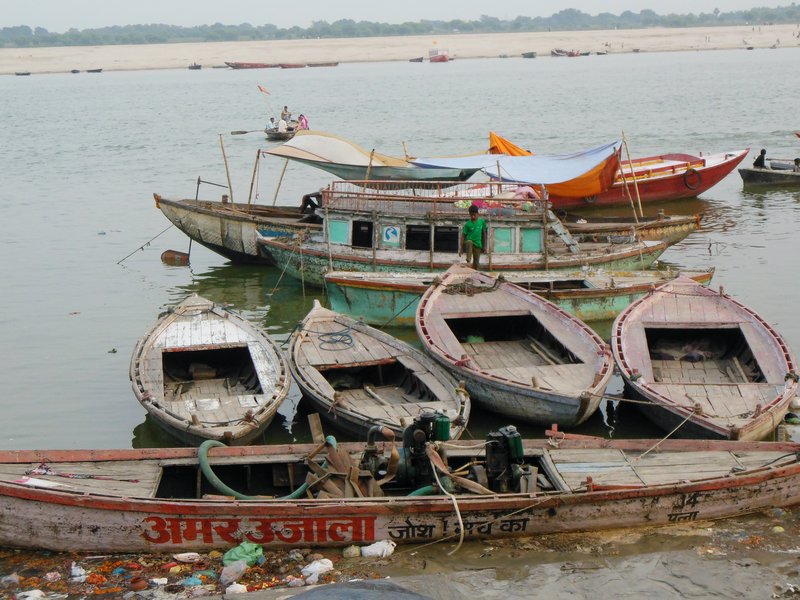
[241,132]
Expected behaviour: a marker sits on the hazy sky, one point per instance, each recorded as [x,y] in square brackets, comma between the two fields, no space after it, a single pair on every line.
[60,15]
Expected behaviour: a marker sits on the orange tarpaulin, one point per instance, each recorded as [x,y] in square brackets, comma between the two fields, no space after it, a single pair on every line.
[590,183]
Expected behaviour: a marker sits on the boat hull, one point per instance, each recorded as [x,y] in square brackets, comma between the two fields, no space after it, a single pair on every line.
[39,518]
[674,176]
[381,301]
[769,177]
[229,232]
[309,262]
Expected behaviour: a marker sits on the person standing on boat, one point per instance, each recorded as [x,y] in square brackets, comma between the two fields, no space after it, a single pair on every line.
[285,114]
[473,237]
[302,122]
[760,161]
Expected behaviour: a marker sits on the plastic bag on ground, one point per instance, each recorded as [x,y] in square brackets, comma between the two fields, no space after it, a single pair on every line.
[232,572]
[313,570]
[236,588]
[380,549]
[247,551]
[187,557]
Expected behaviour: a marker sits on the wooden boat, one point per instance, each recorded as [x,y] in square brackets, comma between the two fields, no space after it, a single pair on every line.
[358,377]
[392,298]
[292,65]
[660,178]
[230,229]
[194,67]
[520,355]
[707,365]
[274,135]
[559,52]
[669,228]
[324,64]
[349,161]
[22,73]
[438,55]
[251,65]
[163,500]
[75,71]
[416,59]
[529,54]
[205,373]
[419,232]
[94,70]
[769,177]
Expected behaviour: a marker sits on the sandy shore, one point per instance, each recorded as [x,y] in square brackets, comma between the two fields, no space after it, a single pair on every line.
[176,56]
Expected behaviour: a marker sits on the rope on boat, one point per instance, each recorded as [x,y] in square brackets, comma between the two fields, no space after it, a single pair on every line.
[147,243]
[395,315]
[659,442]
[468,288]
[455,506]
[332,338]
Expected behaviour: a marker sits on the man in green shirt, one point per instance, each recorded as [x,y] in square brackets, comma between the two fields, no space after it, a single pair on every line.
[473,237]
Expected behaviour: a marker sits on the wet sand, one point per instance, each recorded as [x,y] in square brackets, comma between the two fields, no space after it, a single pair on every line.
[176,56]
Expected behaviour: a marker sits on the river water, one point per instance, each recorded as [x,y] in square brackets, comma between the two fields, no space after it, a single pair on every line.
[82,154]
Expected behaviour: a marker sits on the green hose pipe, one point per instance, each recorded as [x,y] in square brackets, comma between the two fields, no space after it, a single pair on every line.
[428,490]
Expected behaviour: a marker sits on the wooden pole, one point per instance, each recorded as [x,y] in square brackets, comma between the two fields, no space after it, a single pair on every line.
[633,175]
[405,150]
[280,180]
[227,172]
[544,233]
[369,166]
[253,180]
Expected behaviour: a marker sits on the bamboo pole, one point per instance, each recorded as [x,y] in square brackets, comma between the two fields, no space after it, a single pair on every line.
[369,166]
[253,180]
[227,172]
[633,175]
[405,151]
[280,180]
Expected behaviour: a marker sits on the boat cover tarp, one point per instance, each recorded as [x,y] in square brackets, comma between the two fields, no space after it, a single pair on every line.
[500,145]
[577,174]
[320,147]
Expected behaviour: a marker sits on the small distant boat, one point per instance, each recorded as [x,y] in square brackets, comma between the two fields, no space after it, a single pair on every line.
[292,65]
[705,365]
[194,67]
[22,73]
[601,52]
[559,52]
[520,355]
[324,64]
[358,377]
[529,54]
[205,373]
[769,177]
[94,70]
[250,65]
[280,136]
[438,55]
[417,59]
[75,71]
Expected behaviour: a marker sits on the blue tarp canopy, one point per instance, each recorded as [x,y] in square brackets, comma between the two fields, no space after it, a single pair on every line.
[541,168]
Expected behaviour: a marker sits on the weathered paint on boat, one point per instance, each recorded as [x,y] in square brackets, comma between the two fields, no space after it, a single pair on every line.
[707,365]
[767,177]
[230,229]
[599,485]
[380,299]
[309,261]
[520,355]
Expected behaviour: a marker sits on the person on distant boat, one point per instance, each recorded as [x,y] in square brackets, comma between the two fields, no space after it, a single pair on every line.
[282,126]
[285,114]
[473,237]
[302,122]
[761,160]
[796,167]
[272,125]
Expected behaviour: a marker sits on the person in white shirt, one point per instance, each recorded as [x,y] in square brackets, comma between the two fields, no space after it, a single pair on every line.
[282,126]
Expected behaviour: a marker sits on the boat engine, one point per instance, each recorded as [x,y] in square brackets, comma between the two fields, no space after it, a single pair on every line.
[504,470]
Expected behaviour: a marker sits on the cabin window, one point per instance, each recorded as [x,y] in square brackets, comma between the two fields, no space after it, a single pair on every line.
[338,231]
[418,237]
[531,240]
[720,355]
[445,239]
[507,340]
[362,234]
[502,240]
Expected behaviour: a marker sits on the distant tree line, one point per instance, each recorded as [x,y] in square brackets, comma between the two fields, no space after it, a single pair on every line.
[570,19]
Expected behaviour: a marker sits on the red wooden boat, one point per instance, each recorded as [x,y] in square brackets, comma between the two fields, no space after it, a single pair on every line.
[162,499]
[438,55]
[292,65]
[659,178]
[250,65]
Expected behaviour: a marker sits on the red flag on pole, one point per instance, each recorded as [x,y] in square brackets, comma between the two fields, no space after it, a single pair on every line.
[261,89]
